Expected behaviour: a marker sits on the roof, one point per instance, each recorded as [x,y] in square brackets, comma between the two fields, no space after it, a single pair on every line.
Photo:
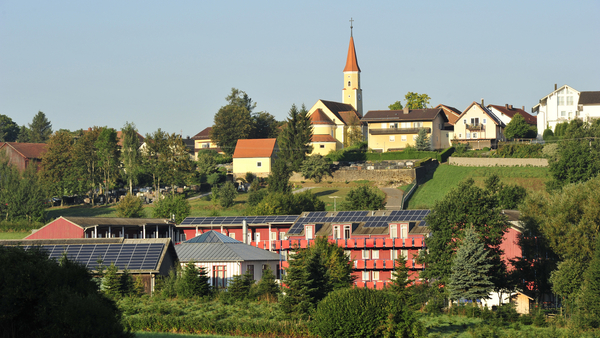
[510,111]
[203,135]
[85,222]
[258,147]
[322,138]
[536,108]
[486,111]
[400,115]
[589,98]
[337,108]
[120,138]
[27,150]
[319,117]
[451,113]
[351,61]
[214,247]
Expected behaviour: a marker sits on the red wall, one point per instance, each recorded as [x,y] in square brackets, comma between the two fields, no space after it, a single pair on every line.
[510,246]
[59,228]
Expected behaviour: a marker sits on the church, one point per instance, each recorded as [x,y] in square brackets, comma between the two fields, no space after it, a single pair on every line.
[332,121]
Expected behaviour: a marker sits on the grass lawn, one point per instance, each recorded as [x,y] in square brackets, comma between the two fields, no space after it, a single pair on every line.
[446,177]
[176,335]
[14,235]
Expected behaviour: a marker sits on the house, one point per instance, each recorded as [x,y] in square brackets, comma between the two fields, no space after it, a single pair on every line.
[333,120]
[107,227]
[254,156]
[479,127]
[141,138]
[588,105]
[147,258]
[451,113]
[202,141]
[397,129]
[506,112]
[223,257]
[556,107]
[23,155]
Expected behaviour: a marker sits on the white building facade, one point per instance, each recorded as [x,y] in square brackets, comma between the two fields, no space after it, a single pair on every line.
[556,107]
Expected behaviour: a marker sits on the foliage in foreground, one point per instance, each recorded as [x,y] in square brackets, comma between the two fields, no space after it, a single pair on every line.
[363,312]
[45,298]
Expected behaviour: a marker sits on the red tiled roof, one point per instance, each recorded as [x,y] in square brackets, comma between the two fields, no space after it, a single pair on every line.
[203,135]
[342,111]
[451,113]
[510,111]
[120,138]
[27,150]
[322,138]
[319,117]
[351,61]
[259,147]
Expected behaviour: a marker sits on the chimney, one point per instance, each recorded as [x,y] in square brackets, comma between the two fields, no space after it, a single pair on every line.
[244,231]
[555,86]
[406,110]
[511,106]
[523,108]
[506,105]
[482,103]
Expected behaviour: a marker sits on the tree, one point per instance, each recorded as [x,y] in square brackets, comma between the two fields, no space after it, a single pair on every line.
[589,299]
[233,121]
[364,197]
[400,279]
[206,163]
[108,157]
[279,178]
[40,128]
[464,206]
[470,279]
[130,207]
[45,298]
[85,155]
[422,141]
[172,205]
[9,130]
[239,98]
[267,287]
[126,284]
[193,282]
[23,136]
[227,195]
[56,170]
[354,133]
[286,203]
[264,125]
[111,285]
[21,194]
[130,155]
[517,128]
[294,140]
[240,286]
[396,106]
[313,273]
[416,100]
[548,135]
[315,167]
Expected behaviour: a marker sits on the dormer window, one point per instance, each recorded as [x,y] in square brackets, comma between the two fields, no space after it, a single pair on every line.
[336,232]
[347,231]
[393,231]
[308,231]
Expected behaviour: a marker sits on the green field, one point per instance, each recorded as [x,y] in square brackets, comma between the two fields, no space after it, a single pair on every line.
[446,177]
[13,235]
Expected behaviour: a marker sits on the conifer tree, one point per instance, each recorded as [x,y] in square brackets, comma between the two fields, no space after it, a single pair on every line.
[422,141]
[126,285]
[267,286]
[400,279]
[470,277]
[193,282]
[240,285]
[40,128]
[294,140]
[138,286]
[110,283]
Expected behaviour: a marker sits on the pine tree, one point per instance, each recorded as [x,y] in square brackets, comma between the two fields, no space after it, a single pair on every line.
[470,277]
[110,283]
[294,140]
[138,286]
[422,141]
[193,282]
[267,286]
[126,286]
[400,279]
[40,128]
[279,178]
[240,285]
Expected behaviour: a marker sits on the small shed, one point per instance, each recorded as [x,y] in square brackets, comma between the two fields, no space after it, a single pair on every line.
[522,302]
[254,156]
[224,257]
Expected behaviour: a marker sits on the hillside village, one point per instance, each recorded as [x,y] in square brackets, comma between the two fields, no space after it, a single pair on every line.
[98,166]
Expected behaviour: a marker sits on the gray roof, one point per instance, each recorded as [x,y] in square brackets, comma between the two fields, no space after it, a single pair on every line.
[589,98]
[85,222]
[213,246]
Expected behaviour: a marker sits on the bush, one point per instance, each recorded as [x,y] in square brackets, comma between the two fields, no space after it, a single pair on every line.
[172,205]
[548,135]
[130,207]
[364,197]
[519,150]
[227,195]
[511,196]
[363,312]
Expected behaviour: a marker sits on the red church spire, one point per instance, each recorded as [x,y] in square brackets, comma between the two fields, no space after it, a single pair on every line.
[351,61]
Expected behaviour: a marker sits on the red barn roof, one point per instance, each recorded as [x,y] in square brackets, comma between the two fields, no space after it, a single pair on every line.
[260,147]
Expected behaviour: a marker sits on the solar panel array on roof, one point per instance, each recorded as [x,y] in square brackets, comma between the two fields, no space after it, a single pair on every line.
[142,256]
[226,220]
[358,217]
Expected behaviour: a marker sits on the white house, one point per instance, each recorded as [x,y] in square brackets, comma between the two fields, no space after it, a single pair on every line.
[589,105]
[556,107]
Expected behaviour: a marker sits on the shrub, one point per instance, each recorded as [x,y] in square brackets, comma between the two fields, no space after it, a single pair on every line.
[519,150]
[255,196]
[548,135]
[130,206]
[227,195]
[172,205]
[364,197]
[511,196]
[315,167]
[363,312]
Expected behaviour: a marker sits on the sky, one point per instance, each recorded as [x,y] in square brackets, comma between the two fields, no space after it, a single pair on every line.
[170,64]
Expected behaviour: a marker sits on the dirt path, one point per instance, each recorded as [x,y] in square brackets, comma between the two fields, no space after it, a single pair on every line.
[394,198]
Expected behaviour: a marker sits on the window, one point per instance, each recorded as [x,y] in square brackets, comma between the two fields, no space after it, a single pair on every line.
[250,269]
[393,125]
[375,275]
[322,146]
[569,100]
[563,113]
[561,100]
[404,253]
[282,235]
[474,135]
[459,135]
[205,145]
[465,121]
[219,280]
[347,231]
[259,164]
[309,232]
[375,254]
[404,231]
[336,232]
[365,275]
[257,236]
[447,135]
[348,253]
[394,254]
[468,135]
[418,125]
[475,120]
[273,236]
[393,231]
[403,138]
[348,83]
[484,121]
[365,254]
[392,138]
[405,124]
[232,235]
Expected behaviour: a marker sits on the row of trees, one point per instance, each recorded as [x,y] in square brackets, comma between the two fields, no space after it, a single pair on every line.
[38,131]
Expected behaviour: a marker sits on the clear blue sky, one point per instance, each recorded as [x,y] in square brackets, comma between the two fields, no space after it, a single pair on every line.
[170,64]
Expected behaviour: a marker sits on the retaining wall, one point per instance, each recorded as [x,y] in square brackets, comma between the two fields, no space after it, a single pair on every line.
[500,162]
[396,175]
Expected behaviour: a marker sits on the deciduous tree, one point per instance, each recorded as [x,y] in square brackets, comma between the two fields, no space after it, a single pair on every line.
[9,130]
[130,207]
[315,167]
[264,125]
[85,155]
[130,155]
[57,168]
[108,158]
[364,197]
[416,100]
[517,128]
[233,121]
[170,205]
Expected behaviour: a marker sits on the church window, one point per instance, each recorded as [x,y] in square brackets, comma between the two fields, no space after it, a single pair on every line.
[348,83]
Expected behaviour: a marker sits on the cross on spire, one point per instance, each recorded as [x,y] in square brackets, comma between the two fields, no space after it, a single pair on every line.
[351,21]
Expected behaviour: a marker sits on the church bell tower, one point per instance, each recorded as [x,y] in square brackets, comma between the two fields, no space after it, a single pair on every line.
[352,94]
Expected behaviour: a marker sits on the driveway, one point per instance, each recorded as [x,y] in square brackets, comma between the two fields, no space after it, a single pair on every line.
[394,198]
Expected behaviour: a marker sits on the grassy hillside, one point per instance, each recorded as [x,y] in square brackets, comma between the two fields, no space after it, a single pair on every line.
[446,177]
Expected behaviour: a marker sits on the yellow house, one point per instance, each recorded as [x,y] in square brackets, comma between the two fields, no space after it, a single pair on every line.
[202,141]
[396,129]
[254,156]
[335,118]
[478,127]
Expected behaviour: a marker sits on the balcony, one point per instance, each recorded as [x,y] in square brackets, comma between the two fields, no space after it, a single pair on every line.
[395,131]
[475,126]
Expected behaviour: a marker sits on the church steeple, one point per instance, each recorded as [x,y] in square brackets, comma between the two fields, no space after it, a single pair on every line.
[352,94]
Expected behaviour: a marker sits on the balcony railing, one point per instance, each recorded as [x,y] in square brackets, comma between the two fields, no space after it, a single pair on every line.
[475,126]
[387,131]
